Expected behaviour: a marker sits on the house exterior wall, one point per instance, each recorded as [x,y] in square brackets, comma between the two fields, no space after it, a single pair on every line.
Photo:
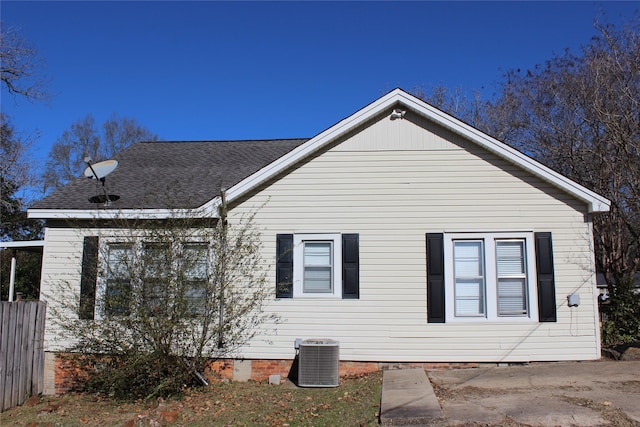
[60,281]
[393,181]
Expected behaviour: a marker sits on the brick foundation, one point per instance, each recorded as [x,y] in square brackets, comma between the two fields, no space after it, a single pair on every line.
[65,373]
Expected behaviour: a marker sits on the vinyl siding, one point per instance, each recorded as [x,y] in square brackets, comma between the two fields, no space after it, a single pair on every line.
[60,282]
[392,182]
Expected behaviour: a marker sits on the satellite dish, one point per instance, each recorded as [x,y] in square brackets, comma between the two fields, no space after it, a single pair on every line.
[100,169]
[98,172]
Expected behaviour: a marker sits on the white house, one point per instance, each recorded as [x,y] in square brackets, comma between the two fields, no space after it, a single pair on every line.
[431,241]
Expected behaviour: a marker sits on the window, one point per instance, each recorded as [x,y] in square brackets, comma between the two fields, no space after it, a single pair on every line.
[158,263]
[511,277]
[316,273]
[489,276]
[318,265]
[118,286]
[468,266]
[146,273]
[195,268]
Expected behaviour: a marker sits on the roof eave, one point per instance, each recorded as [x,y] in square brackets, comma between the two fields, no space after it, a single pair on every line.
[204,211]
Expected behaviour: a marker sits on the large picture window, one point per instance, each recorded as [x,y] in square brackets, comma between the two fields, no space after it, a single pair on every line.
[148,273]
[488,276]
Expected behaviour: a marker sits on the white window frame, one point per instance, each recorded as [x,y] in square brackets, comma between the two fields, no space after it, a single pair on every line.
[491,278]
[298,264]
[103,278]
[137,247]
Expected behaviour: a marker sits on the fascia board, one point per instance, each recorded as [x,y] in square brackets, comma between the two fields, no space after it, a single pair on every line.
[22,244]
[121,214]
[596,202]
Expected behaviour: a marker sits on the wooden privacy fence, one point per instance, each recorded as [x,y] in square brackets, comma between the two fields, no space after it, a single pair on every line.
[21,351]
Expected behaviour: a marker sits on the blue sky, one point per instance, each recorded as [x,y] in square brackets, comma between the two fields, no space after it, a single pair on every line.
[260,70]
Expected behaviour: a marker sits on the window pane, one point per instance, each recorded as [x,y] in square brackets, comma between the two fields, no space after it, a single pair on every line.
[468,259]
[512,297]
[117,295]
[318,269]
[195,298]
[157,260]
[119,260]
[317,253]
[510,258]
[195,266]
[469,278]
[512,280]
[195,261]
[157,273]
[469,297]
[317,279]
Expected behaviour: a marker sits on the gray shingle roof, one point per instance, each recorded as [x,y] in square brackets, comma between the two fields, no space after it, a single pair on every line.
[159,175]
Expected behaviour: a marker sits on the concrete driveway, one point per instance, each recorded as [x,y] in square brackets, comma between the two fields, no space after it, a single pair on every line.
[600,393]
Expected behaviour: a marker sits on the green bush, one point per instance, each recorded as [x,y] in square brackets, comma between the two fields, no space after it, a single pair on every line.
[623,323]
[132,376]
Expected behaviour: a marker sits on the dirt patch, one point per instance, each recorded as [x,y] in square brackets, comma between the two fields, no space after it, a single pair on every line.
[472,392]
[505,422]
[608,411]
[579,394]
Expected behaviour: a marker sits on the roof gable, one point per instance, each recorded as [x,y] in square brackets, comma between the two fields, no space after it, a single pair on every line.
[195,171]
[401,100]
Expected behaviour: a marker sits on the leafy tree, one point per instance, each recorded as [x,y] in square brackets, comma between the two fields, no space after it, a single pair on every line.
[83,139]
[176,294]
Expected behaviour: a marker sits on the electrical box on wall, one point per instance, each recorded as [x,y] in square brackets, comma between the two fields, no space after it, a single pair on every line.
[573,300]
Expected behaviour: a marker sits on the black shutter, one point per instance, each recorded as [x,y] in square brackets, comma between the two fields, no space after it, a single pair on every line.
[350,266]
[546,280]
[284,266]
[435,278]
[88,277]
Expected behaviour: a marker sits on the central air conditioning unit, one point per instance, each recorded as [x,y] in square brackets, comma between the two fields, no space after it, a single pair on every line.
[319,363]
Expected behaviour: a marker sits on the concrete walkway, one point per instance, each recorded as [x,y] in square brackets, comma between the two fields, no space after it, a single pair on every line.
[585,394]
[408,398]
